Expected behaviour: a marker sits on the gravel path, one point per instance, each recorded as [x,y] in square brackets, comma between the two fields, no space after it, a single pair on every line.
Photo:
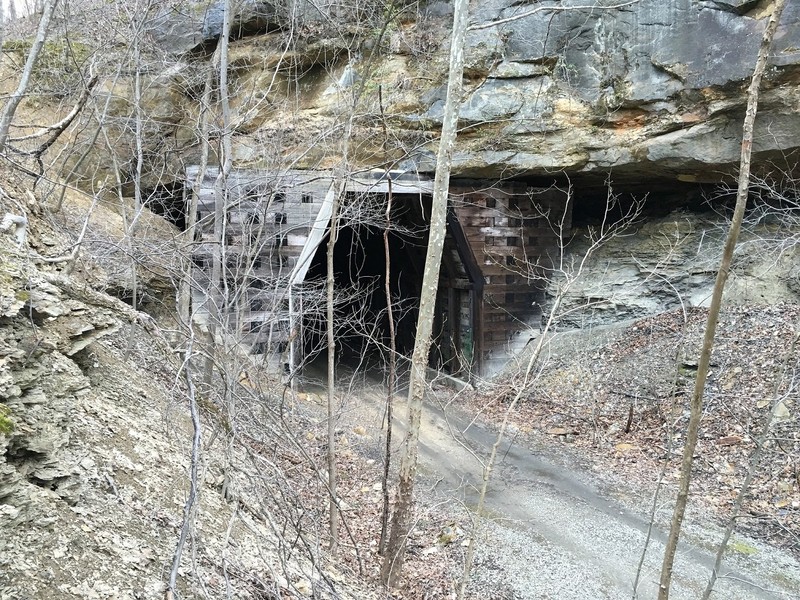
[552,533]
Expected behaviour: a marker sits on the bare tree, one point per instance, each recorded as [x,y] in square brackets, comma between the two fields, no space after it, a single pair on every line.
[185,284]
[333,234]
[391,375]
[191,500]
[401,521]
[33,54]
[696,405]
[218,282]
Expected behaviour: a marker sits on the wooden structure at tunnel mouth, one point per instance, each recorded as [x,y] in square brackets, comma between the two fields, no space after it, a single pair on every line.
[501,237]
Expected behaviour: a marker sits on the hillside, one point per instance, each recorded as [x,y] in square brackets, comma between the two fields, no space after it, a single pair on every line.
[195,193]
[97,439]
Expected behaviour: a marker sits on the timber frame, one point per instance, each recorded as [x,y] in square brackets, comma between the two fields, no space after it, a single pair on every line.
[500,237]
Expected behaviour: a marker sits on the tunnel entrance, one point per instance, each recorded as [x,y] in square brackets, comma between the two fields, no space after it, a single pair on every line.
[168,200]
[488,301]
[361,313]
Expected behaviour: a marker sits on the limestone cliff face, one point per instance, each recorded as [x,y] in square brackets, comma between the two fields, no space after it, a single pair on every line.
[669,263]
[655,88]
[650,89]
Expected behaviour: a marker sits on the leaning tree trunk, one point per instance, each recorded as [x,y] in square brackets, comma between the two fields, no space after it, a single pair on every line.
[13,102]
[393,561]
[330,282]
[216,289]
[716,302]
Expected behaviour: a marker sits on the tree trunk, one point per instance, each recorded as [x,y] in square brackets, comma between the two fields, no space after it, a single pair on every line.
[13,102]
[716,302]
[391,377]
[3,21]
[216,292]
[333,509]
[185,286]
[401,521]
[137,180]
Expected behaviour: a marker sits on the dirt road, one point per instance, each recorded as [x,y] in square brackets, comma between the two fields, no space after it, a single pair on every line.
[552,533]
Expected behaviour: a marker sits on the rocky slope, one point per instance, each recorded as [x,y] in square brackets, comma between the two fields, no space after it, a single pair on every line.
[620,396]
[667,263]
[95,443]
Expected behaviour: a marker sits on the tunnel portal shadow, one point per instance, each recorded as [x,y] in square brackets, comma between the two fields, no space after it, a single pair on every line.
[360,306]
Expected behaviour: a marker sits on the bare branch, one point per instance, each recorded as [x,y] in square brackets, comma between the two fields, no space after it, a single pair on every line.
[539,9]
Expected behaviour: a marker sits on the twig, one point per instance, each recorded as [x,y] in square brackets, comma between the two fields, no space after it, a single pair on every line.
[189,506]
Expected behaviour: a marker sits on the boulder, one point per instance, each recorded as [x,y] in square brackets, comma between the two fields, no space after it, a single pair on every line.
[190,25]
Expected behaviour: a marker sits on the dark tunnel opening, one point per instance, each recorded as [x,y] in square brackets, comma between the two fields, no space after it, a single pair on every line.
[360,308]
[167,200]
[595,201]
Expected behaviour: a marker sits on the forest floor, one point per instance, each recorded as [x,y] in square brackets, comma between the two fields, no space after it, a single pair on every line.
[569,504]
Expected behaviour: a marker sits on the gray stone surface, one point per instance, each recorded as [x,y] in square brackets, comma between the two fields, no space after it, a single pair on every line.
[655,89]
[680,67]
[669,262]
[189,25]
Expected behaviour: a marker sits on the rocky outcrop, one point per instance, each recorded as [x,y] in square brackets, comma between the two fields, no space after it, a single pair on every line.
[191,25]
[40,385]
[654,88]
[670,263]
[647,90]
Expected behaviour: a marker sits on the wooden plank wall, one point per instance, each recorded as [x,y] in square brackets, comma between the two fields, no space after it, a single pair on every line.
[498,246]
[511,231]
[268,221]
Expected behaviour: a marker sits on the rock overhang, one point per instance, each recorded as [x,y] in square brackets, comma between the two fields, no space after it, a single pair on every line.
[649,91]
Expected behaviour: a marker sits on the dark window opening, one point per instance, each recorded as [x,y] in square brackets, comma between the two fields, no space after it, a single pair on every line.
[169,201]
[306,199]
[253,230]
[518,203]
